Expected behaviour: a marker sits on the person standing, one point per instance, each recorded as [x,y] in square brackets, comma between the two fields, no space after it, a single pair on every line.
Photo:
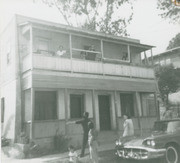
[93,145]
[84,122]
[128,126]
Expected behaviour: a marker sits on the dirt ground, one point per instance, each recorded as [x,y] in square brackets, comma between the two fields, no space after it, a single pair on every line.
[108,157]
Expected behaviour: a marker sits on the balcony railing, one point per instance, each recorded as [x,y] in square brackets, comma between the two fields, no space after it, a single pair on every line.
[86,66]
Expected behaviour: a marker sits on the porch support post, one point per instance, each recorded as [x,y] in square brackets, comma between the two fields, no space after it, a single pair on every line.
[93,106]
[116,110]
[32,114]
[66,109]
[138,102]
[157,105]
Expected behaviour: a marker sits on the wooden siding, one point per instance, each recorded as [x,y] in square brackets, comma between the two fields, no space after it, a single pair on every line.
[90,67]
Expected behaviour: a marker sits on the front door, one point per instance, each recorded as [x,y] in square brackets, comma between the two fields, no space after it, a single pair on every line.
[104,112]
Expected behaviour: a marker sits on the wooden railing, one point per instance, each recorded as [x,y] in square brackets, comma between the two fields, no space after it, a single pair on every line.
[90,67]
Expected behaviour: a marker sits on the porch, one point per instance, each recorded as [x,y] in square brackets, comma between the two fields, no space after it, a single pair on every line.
[43,126]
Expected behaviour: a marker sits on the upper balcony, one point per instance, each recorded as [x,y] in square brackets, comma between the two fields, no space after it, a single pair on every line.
[90,53]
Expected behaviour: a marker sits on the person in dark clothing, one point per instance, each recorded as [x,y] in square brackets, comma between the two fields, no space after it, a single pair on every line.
[84,122]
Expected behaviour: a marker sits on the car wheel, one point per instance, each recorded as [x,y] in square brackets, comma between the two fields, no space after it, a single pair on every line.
[172,154]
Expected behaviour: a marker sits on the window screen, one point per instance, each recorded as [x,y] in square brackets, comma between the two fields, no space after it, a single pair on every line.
[127,104]
[76,105]
[45,105]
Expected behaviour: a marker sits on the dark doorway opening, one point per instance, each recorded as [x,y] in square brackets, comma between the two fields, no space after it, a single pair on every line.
[104,112]
[127,104]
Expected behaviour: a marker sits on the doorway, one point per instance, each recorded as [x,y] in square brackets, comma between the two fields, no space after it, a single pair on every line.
[104,112]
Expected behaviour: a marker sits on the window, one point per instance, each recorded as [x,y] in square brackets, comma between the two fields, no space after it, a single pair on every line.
[148,104]
[43,44]
[76,105]
[45,105]
[127,104]
[2,109]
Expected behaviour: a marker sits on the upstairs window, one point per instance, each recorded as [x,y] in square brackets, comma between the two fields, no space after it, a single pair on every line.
[45,105]
[76,105]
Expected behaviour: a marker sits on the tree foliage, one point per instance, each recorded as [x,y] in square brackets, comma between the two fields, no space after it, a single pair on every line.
[168,80]
[96,15]
[175,42]
[169,10]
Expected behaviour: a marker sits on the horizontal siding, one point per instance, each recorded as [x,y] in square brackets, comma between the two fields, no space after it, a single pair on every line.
[90,67]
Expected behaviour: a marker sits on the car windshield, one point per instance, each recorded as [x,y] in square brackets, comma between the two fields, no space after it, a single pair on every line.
[166,126]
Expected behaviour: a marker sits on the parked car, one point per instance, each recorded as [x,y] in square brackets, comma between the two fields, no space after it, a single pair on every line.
[164,142]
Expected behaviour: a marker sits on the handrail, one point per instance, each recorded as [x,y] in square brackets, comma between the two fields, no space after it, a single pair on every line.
[82,50]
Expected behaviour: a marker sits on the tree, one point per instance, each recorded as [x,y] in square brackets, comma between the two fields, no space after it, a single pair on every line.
[169,10]
[96,15]
[168,81]
[175,42]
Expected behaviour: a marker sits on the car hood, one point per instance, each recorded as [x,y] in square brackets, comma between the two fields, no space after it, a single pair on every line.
[137,141]
[134,142]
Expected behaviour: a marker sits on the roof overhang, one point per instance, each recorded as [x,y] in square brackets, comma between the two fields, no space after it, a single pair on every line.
[35,23]
[168,52]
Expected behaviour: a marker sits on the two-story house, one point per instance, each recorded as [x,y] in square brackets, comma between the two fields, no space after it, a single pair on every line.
[171,56]
[42,89]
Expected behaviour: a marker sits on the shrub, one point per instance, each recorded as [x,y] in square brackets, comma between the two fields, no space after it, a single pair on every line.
[61,142]
[4,142]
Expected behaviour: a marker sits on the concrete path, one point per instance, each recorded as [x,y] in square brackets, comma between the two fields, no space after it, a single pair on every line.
[52,158]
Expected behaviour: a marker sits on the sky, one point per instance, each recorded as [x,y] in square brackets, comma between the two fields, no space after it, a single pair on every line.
[147,25]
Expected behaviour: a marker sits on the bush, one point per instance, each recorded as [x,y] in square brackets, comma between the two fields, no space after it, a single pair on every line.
[61,142]
[4,142]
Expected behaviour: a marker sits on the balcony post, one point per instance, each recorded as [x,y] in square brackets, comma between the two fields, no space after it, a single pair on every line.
[102,52]
[146,59]
[31,46]
[129,53]
[152,60]
[70,48]
[102,56]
